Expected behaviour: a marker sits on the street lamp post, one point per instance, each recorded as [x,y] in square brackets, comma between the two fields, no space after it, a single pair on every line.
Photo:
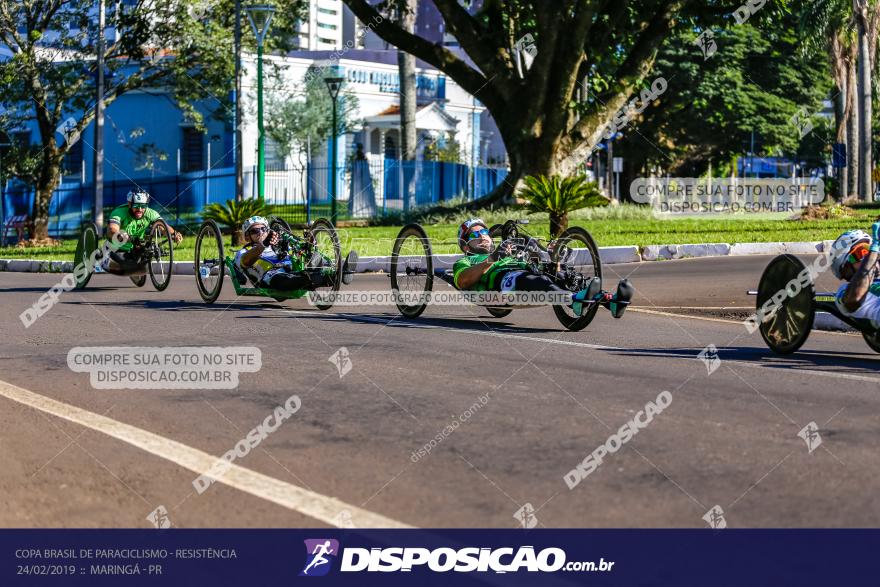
[4,144]
[98,162]
[334,84]
[260,17]
[236,127]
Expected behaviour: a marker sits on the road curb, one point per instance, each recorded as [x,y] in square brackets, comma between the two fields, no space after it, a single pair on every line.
[656,252]
[609,256]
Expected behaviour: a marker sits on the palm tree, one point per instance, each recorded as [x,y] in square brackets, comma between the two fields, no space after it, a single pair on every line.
[557,197]
[867,18]
[826,26]
[849,30]
[233,214]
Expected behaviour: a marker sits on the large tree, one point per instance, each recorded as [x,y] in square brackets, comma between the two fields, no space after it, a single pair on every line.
[183,46]
[755,84]
[548,122]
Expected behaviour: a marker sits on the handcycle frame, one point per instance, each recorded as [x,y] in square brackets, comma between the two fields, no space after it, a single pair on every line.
[786,325]
[205,268]
[548,260]
[151,251]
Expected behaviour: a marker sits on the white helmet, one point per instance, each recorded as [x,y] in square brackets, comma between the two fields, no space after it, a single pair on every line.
[138,197]
[251,221]
[843,246]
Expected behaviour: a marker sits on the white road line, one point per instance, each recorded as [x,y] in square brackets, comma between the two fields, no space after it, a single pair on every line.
[314,505]
[766,365]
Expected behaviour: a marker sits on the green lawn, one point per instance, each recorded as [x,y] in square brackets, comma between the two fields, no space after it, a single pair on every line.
[626,225]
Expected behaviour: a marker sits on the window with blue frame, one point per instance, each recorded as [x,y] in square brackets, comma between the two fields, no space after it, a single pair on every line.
[192,153]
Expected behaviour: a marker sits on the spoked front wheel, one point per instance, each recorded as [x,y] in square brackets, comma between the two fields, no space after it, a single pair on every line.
[326,257]
[160,260]
[279,224]
[575,249]
[209,264]
[83,258]
[786,324]
[412,270]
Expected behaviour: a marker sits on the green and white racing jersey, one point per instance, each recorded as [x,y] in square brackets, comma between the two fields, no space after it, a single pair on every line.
[870,308]
[492,278]
[270,263]
[135,227]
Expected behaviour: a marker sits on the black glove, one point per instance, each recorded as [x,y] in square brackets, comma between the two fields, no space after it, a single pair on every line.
[505,249]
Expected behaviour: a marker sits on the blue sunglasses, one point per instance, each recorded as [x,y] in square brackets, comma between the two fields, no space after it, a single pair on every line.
[477,233]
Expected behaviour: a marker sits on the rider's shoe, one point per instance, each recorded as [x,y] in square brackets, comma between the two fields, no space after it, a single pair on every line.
[349,267]
[621,299]
[581,301]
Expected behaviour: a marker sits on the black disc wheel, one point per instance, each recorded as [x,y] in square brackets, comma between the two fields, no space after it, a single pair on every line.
[575,249]
[83,258]
[412,270]
[873,340]
[138,280]
[209,263]
[160,255]
[499,312]
[326,257]
[785,306]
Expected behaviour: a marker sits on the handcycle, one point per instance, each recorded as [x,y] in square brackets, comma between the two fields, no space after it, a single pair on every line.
[316,252]
[787,303]
[152,255]
[569,260]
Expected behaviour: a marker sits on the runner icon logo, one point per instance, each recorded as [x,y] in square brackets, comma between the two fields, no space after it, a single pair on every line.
[709,356]
[810,435]
[526,516]
[715,518]
[320,553]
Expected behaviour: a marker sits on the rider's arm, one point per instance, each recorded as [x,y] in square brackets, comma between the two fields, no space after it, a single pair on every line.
[152,216]
[252,255]
[861,282]
[468,278]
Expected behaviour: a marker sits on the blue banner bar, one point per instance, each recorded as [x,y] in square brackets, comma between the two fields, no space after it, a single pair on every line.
[438,557]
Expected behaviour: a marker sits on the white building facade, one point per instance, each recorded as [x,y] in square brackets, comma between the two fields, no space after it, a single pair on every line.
[444,112]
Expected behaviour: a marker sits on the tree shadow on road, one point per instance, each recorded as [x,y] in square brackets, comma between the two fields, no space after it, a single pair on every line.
[844,362]
[44,289]
[393,319]
[179,305]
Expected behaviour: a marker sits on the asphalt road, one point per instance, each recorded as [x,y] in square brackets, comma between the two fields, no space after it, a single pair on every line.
[728,438]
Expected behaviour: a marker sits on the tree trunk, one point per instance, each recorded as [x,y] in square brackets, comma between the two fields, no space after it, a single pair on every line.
[406,64]
[237,237]
[47,181]
[558,223]
[840,121]
[866,191]
[853,129]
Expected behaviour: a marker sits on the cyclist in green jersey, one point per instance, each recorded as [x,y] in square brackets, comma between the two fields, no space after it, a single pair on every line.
[487,268]
[129,221]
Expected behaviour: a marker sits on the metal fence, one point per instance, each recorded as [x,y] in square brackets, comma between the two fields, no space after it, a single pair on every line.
[367,188]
